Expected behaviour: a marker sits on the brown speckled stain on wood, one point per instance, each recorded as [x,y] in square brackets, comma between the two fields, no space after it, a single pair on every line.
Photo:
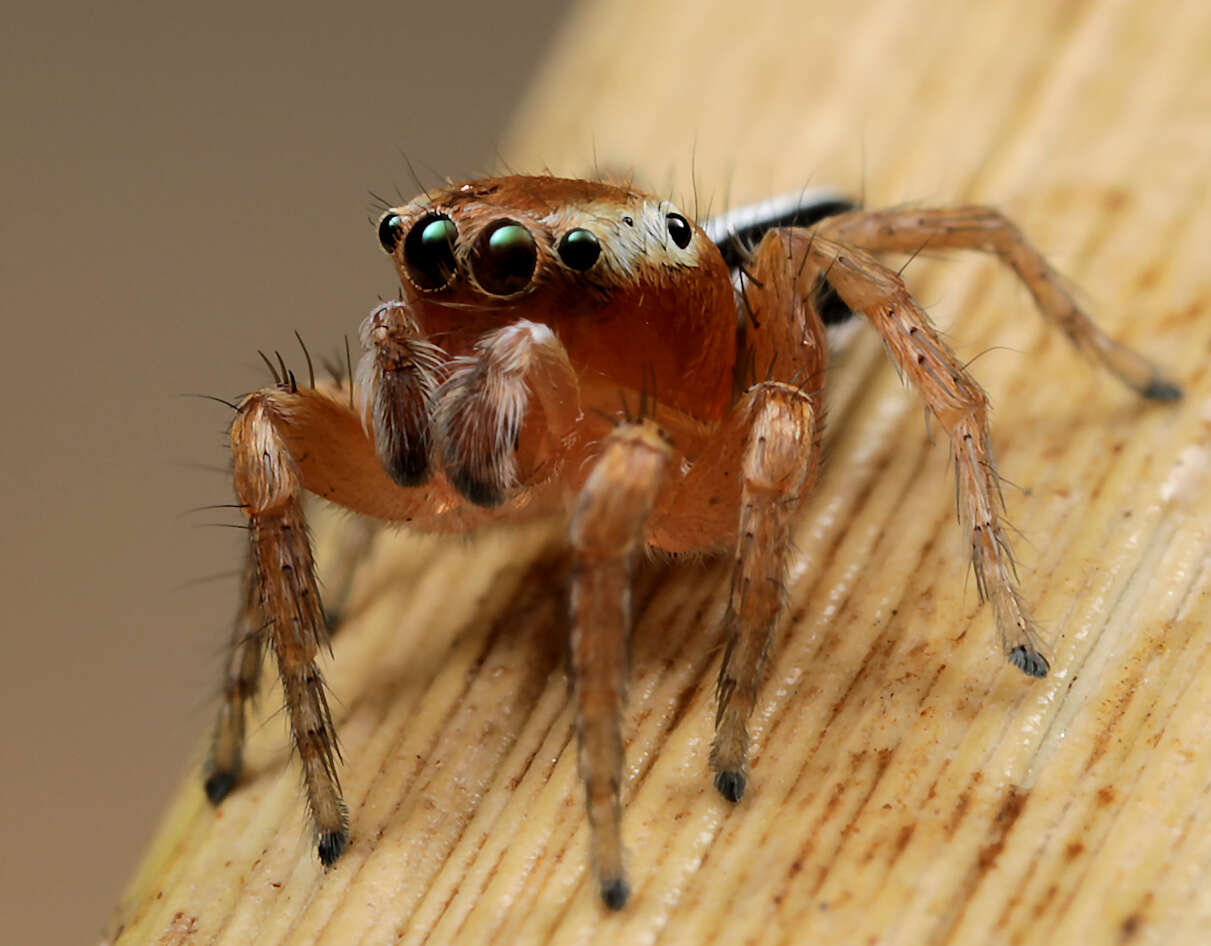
[1011,809]
[180,932]
[962,804]
[1007,814]
[1136,666]
[1130,927]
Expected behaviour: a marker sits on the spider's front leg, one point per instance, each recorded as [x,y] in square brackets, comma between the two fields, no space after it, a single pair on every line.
[269,488]
[607,532]
[777,466]
[774,433]
[285,440]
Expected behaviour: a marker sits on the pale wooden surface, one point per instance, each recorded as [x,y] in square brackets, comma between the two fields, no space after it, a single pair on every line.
[908,786]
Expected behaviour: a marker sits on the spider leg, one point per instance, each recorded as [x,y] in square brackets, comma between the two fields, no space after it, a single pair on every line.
[242,678]
[778,465]
[336,460]
[269,487]
[286,441]
[986,229]
[502,415]
[607,533]
[952,395]
[354,541]
[771,438]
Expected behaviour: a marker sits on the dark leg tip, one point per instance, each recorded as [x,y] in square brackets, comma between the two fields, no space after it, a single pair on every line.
[731,785]
[615,893]
[332,845]
[219,786]
[1158,389]
[1029,661]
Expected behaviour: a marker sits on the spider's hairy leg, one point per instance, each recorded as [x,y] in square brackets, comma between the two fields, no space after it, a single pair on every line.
[987,230]
[607,533]
[336,460]
[354,541]
[502,415]
[778,465]
[269,487]
[961,407]
[243,674]
[771,438]
[396,378]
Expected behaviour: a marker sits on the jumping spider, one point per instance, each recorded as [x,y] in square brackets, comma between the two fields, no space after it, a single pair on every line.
[530,307]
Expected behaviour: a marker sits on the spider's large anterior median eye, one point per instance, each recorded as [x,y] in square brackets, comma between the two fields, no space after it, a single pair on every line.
[429,251]
[579,249]
[505,257]
[679,229]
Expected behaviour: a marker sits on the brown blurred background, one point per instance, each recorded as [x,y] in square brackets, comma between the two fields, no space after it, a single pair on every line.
[180,188]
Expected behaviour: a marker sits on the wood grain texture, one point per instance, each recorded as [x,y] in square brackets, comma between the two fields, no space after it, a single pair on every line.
[908,786]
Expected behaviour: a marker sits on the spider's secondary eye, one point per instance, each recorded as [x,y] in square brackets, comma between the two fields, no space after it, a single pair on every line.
[679,229]
[579,249]
[505,257]
[389,231]
[429,251]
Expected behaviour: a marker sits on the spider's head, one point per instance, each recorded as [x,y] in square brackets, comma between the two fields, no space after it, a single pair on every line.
[622,278]
[544,244]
